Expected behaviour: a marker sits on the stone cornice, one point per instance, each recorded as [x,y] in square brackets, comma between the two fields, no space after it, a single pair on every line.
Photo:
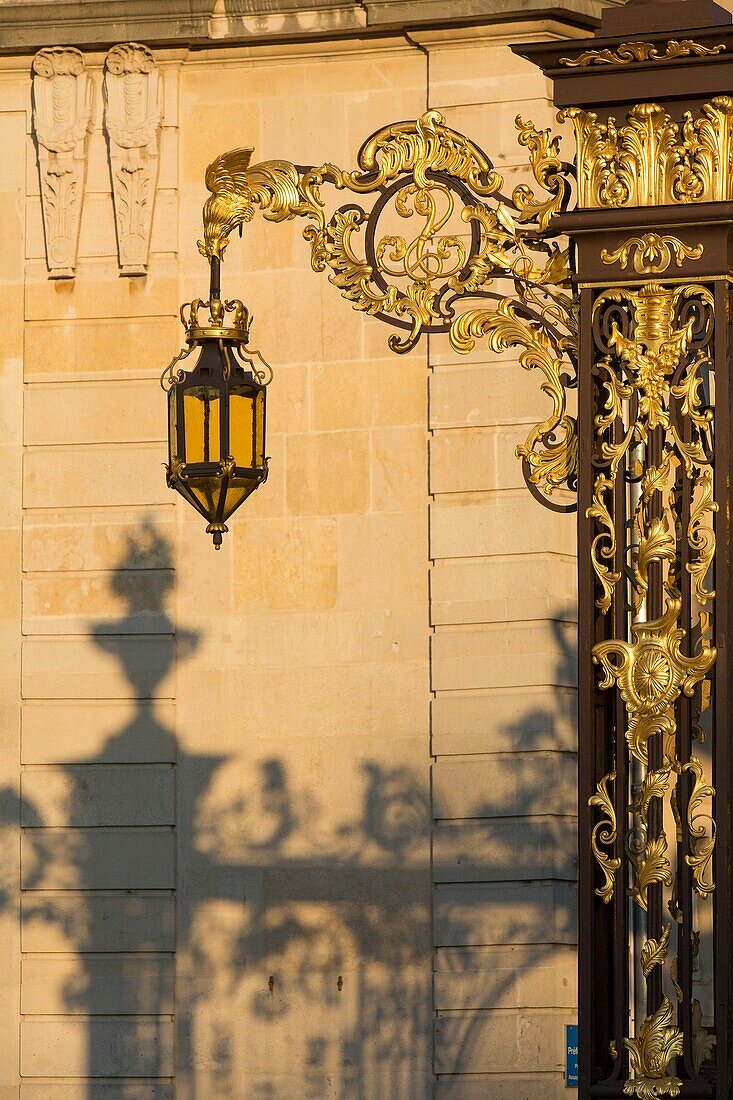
[28,25]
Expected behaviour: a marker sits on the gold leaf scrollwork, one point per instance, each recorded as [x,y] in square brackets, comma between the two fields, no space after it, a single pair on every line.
[653,253]
[701,537]
[702,842]
[551,448]
[604,836]
[603,546]
[547,167]
[628,52]
[658,1043]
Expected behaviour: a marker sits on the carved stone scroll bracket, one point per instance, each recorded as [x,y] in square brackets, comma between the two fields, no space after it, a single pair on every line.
[62,120]
[133,113]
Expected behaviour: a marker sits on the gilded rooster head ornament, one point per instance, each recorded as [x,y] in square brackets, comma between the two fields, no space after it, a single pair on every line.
[230,202]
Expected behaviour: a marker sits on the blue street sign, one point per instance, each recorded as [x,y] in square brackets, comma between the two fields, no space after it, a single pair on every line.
[571,1056]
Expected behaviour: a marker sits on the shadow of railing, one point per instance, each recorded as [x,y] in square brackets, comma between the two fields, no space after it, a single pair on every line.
[302,940]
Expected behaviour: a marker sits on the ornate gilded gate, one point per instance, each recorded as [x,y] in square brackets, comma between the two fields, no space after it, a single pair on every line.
[636,316]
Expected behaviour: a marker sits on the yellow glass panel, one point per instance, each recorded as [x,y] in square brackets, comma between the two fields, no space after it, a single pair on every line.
[260,429]
[240,428]
[201,418]
[236,494]
[206,490]
[172,425]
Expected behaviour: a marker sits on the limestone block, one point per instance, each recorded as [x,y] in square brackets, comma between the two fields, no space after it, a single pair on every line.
[502,720]
[93,795]
[477,914]
[101,348]
[97,859]
[531,653]
[394,635]
[492,126]
[114,1046]
[296,640]
[503,589]
[286,564]
[98,922]
[501,1086]
[500,1042]
[483,72]
[105,667]
[475,460]
[381,393]
[328,473]
[383,560]
[113,538]
[287,407]
[505,785]
[515,977]
[96,1090]
[165,228]
[392,700]
[98,985]
[97,235]
[499,524]
[503,850]
[96,476]
[135,602]
[81,732]
[399,469]
[99,293]
[484,394]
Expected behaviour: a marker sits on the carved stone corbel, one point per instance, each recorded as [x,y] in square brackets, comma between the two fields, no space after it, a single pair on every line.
[133,113]
[62,120]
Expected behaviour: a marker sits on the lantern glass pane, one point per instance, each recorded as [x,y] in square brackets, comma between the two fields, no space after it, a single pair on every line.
[207,491]
[201,417]
[260,428]
[172,424]
[241,427]
[237,493]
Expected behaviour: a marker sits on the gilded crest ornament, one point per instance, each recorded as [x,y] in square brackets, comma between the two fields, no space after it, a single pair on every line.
[629,52]
[653,253]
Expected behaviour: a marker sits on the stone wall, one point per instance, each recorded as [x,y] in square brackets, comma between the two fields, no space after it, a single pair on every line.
[237,878]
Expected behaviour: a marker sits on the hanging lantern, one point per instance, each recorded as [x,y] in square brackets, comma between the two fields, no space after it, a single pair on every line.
[216,413]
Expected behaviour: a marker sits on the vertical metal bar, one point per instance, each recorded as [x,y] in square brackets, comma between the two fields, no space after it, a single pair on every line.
[586,703]
[722,701]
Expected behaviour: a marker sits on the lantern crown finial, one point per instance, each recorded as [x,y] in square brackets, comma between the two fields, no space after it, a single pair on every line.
[227,320]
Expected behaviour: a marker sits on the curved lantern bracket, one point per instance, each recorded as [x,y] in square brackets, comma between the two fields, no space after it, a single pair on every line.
[474,263]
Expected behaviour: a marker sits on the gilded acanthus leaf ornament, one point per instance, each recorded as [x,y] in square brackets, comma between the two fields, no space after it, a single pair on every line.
[603,546]
[651,160]
[654,952]
[653,253]
[629,52]
[701,537]
[702,840]
[604,836]
[658,1043]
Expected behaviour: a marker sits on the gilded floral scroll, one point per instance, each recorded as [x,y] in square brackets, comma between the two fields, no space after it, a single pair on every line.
[463,239]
